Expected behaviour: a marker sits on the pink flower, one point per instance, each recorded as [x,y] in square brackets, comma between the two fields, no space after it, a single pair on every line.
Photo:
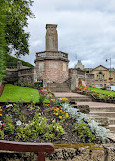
[3,124]
[55,133]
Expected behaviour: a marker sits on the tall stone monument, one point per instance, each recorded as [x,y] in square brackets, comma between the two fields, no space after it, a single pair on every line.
[51,38]
[51,65]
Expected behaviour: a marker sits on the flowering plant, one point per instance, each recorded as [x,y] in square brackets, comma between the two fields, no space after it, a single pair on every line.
[60,113]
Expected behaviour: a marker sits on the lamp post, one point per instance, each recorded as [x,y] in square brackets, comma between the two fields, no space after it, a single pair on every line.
[110,69]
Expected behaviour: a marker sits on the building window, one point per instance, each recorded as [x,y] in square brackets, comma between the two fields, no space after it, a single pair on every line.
[100,85]
[100,75]
[41,66]
[96,85]
[104,85]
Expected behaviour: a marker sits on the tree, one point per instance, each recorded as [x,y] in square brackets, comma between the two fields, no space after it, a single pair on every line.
[17,13]
[2,39]
[13,18]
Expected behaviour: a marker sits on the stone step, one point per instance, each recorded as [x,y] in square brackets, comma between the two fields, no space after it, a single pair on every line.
[111,135]
[112,120]
[101,108]
[105,114]
[78,99]
[60,89]
[108,122]
[63,86]
[112,128]
[103,121]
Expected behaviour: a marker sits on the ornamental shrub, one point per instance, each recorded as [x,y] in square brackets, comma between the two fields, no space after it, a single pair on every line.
[100,132]
[39,124]
[9,127]
[32,129]
[1,134]
[54,131]
[83,132]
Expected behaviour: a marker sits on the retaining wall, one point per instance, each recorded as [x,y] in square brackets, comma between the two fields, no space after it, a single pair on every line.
[75,152]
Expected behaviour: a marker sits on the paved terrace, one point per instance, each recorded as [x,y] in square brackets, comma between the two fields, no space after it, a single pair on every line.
[68,94]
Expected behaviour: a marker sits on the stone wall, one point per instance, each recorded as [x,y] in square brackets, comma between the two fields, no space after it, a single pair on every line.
[20,74]
[76,152]
[76,75]
[52,70]
[26,74]
[90,79]
[11,75]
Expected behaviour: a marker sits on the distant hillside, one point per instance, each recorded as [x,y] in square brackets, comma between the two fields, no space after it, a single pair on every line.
[12,62]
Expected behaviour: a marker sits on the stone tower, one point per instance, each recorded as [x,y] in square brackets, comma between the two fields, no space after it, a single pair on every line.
[79,65]
[51,38]
[51,65]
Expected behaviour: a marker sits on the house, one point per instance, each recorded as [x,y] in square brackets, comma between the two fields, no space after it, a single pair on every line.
[103,77]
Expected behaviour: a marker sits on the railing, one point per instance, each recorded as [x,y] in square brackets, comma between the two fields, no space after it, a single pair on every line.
[52,54]
[41,148]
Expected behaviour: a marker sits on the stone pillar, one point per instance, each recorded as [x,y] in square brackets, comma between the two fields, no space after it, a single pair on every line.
[19,65]
[51,38]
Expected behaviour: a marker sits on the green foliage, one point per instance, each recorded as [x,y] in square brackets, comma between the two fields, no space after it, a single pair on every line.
[54,131]
[12,62]
[1,134]
[105,92]
[39,123]
[24,83]
[17,11]
[33,129]
[22,116]
[25,131]
[42,99]
[101,96]
[46,100]
[2,39]
[9,127]
[16,108]
[84,132]
[99,131]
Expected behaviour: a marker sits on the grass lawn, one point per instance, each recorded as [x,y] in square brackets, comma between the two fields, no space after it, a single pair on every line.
[102,91]
[16,93]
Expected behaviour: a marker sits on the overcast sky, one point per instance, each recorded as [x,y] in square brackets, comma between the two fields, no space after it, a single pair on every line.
[86,30]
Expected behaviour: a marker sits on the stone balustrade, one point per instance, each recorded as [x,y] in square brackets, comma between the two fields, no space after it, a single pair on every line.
[51,55]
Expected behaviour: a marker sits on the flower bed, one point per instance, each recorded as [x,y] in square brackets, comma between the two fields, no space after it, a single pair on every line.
[52,120]
[98,97]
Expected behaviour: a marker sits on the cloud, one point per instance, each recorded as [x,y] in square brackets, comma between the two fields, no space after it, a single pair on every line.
[86,29]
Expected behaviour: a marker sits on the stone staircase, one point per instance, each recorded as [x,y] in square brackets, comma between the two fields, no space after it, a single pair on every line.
[58,87]
[104,113]
[74,97]
[108,112]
